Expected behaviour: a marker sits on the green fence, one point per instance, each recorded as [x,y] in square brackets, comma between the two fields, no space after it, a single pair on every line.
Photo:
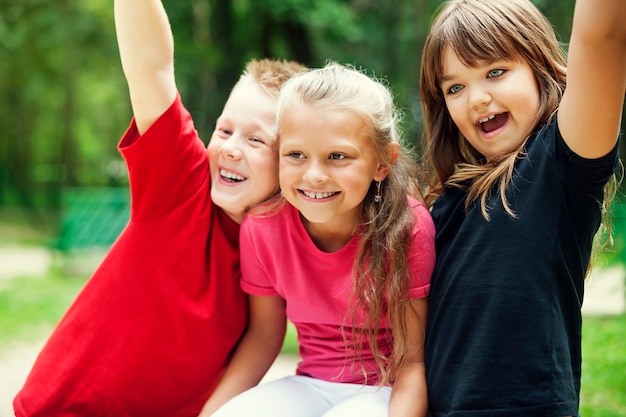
[92,217]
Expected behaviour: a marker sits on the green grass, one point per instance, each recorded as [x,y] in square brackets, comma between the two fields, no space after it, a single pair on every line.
[603,386]
[290,346]
[30,307]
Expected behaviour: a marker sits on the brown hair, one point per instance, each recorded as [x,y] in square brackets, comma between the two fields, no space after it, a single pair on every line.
[479,31]
[486,31]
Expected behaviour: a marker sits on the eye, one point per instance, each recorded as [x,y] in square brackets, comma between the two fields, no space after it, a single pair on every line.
[335,156]
[296,155]
[256,139]
[455,89]
[223,133]
[495,73]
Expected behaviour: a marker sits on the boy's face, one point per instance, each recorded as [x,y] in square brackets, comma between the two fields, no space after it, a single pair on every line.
[494,105]
[242,150]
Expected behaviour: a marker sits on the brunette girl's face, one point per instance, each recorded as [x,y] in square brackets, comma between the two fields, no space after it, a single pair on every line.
[242,151]
[494,104]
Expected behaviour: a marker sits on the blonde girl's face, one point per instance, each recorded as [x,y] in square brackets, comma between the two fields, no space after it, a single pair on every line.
[494,105]
[327,162]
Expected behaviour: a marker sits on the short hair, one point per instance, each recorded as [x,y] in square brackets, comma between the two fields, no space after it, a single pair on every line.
[271,74]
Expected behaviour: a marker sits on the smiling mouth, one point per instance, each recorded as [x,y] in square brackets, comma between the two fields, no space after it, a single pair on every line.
[493,122]
[231,176]
[318,196]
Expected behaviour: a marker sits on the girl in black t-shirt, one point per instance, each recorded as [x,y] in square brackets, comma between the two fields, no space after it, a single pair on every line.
[521,168]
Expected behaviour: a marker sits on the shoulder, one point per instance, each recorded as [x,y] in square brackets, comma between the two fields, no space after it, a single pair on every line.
[423,220]
[421,212]
[275,221]
[548,145]
[175,115]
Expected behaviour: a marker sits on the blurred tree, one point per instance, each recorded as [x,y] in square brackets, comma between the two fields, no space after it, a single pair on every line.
[65,102]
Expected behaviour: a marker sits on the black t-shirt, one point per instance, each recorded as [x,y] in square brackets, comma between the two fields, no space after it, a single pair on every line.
[504,322]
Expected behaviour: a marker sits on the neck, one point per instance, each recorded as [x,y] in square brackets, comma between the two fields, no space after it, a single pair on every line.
[329,237]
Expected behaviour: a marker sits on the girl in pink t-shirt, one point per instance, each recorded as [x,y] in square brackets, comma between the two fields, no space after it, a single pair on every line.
[347,259]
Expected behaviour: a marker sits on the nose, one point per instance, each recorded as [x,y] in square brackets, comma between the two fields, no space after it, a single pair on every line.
[315,172]
[230,148]
[478,97]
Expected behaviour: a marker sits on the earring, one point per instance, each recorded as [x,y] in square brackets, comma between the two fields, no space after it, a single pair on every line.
[378,196]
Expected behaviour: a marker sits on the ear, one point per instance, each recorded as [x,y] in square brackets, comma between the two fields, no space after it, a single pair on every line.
[393,150]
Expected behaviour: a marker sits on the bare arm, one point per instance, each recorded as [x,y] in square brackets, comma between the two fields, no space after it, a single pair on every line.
[147,52]
[255,353]
[591,108]
[409,397]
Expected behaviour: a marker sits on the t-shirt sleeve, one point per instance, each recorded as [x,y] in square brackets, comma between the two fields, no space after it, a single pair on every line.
[586,172]
[154,161]
[255,278]
[422,252]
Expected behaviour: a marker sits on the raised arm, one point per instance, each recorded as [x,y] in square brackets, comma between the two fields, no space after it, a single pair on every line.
[147,52]
[591,108]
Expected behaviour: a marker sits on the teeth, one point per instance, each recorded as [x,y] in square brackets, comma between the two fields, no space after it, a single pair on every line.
[317,195]
[231,175]
[486,119]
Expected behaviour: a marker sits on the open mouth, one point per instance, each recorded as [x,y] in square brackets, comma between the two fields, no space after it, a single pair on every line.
[231,176]
[318,195]
[493,122]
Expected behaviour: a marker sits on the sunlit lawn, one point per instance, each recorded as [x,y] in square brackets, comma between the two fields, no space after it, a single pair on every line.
[29,308]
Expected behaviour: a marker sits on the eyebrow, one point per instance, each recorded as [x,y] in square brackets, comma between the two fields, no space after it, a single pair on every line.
[446,78]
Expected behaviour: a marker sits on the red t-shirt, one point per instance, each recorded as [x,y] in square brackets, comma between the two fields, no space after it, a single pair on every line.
[152,330]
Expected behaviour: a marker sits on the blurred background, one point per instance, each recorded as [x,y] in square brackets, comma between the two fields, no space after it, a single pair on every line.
[63,185]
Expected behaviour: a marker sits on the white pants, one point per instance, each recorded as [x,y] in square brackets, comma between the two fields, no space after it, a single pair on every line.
[300,396]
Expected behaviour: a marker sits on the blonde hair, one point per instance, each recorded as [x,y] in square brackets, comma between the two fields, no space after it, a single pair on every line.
[380,274]
[271,74]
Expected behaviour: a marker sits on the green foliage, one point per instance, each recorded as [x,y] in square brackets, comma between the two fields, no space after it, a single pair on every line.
[337,19]
[65,101]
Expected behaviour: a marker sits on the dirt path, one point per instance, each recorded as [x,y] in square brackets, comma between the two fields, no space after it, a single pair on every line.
[15,361]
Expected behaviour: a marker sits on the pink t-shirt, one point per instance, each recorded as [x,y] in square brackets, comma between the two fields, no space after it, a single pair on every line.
[152,330]
[278,257]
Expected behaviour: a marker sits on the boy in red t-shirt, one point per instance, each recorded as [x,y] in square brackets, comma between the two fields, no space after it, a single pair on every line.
[152,330]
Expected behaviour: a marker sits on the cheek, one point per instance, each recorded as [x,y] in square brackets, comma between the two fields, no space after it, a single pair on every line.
[267,172]
[457,114]
[286,175]
[212,156]
[212,149]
